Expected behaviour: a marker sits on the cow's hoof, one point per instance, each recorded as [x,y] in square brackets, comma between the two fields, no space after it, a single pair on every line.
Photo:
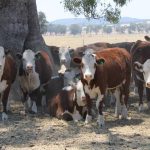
[4,116]
[141,108]
[34,107]
[148,105]
[77,117]
[88,119]
[116,115]
[31,112]
[117,111]
[101,121]
[124,112]
[23,112]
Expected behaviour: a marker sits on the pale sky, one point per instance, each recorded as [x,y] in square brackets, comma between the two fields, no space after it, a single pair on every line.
[54,10]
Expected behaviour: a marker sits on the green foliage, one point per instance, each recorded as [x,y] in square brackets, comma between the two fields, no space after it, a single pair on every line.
[43,22]
[96,8]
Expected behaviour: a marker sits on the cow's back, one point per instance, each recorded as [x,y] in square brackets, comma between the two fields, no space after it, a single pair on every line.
[116,68]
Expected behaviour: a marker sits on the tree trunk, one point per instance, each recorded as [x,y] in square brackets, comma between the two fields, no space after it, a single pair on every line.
[19,27]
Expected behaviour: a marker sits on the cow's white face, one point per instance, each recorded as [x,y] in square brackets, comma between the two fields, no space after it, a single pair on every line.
[65,58]
[81,98]
[28,59]
[64,55]
[145,69]
[2,58]
[88,66]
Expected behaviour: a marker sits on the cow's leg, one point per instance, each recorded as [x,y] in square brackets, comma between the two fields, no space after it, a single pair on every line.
[118,104]
[148,97]
[8,106]
[4,97]
[124,98]
[89,109]
[34,107]
[25,102]
[124,111]
[140,92]
[36,97]
[101,121]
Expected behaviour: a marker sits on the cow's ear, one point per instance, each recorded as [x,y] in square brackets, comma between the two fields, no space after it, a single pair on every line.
[138,66]
[77,60]
[71,51]
[100,61]
[7,52]
[19,55]
[38,55]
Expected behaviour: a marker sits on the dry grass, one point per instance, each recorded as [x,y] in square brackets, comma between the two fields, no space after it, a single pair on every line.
[42,132]
[76,41]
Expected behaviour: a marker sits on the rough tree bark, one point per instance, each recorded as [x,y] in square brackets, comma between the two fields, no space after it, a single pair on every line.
[19,26]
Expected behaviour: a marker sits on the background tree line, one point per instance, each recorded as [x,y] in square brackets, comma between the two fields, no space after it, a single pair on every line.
[74,29]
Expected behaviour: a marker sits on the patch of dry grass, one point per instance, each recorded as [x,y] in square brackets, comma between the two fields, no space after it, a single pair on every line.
[76,41]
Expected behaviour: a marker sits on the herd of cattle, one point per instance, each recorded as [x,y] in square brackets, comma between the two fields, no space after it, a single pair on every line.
[86,75]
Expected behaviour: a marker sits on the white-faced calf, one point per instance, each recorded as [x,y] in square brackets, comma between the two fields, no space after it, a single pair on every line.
[69,103]
[34,75]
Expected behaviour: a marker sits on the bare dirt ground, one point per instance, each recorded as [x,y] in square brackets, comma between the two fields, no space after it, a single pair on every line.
[42,132]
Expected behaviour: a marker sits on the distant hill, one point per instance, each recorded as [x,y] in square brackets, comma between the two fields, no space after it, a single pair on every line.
[83,21]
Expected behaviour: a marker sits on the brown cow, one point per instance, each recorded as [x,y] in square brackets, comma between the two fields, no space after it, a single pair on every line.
[34,75]
[69,104]
[102,70]
[8,72]
[125,45]
[140,53]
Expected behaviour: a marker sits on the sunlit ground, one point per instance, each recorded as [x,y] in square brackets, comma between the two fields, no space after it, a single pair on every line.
[76,41]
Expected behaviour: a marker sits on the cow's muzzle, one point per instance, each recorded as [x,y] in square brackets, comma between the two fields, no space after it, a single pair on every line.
[88,77]
[29,69]
[63,61]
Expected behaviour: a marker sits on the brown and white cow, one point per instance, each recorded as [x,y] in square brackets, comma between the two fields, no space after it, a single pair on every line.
[140,53]
[34,75]
[69,104]
[102,70]
[8,72]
